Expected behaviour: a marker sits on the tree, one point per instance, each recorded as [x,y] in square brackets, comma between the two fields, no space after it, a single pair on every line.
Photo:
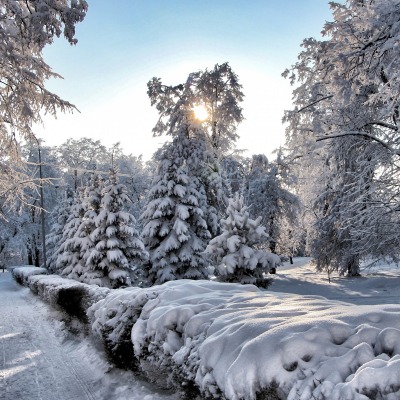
[111,247]
[69,254]
[175,229]
[13,249]
[80,156]
[81,242]
[218,90]
[348,93]
[26,27]
[136,175]
[234,253]
[54,239]
[268,195]
[220,93]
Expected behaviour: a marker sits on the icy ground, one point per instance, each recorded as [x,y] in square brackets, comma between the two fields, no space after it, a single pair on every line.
[40,360]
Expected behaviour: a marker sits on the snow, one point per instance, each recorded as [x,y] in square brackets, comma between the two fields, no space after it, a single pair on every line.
[42,360]
[22,273]
[237,341]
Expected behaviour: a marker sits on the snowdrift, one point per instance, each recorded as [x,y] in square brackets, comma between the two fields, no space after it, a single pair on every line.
[237,342]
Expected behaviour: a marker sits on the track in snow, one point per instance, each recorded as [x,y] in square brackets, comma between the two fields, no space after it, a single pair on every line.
[35,362]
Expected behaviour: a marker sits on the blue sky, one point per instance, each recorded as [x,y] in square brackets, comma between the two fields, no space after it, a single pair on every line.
[124,43]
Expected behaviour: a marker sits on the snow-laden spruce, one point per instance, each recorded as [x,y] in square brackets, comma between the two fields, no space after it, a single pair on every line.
[233,251]
[68,261]
[100,244]
[175,230]
[266,192]
[54,239]
[79,241]
[112,250]
[219,92]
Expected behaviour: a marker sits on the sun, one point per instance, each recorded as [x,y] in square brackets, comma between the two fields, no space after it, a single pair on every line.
[200,113]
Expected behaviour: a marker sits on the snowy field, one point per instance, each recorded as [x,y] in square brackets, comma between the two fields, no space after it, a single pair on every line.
[304,338]
[379,284]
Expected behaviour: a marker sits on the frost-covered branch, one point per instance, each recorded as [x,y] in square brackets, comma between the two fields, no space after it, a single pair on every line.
[360,134]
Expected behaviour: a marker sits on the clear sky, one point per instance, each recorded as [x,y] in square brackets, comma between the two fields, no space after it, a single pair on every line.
[124,43]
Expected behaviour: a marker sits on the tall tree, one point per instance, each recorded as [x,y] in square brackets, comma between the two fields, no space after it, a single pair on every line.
[26,27]
[220,93]
[54,238]
[348,92]
[69,255]
[267,193]
[80,156]
[116,249]
[175,228]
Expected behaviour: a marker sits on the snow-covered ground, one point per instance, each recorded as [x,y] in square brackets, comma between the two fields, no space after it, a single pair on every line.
[302,339]
[336,341]
[40,360]
[379,284]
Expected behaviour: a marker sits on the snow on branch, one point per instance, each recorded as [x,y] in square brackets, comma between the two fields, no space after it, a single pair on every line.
[363,135]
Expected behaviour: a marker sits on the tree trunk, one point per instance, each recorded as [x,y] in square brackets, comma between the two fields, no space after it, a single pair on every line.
[30,258]
[353,266]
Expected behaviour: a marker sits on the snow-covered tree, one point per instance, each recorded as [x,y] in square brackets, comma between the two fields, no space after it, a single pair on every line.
[13,249]
[26,28]
[80,156]
[267,192]
[111,247]
[136,175]
[81,241]
[175,227]
[54,238]
[68,261]
[220,93]
[218,90]
[348,92]
[234,252]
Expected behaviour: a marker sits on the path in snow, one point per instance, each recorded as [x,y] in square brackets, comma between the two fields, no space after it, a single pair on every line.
[39,361]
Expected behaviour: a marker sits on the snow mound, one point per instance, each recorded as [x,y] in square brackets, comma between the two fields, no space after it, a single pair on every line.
[235,341]
[21,274]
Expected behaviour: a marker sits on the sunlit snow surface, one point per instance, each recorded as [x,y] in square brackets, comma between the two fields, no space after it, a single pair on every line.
[238,340]
[39,359]
[333,341]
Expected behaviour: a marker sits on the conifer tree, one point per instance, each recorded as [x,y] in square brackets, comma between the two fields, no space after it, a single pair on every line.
[82,240]
[175,231]
[54,239]
[219,92]
[114,247]
[233,252]
[68,261]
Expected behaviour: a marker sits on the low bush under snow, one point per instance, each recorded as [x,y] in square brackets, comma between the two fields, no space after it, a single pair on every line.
[237,342]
